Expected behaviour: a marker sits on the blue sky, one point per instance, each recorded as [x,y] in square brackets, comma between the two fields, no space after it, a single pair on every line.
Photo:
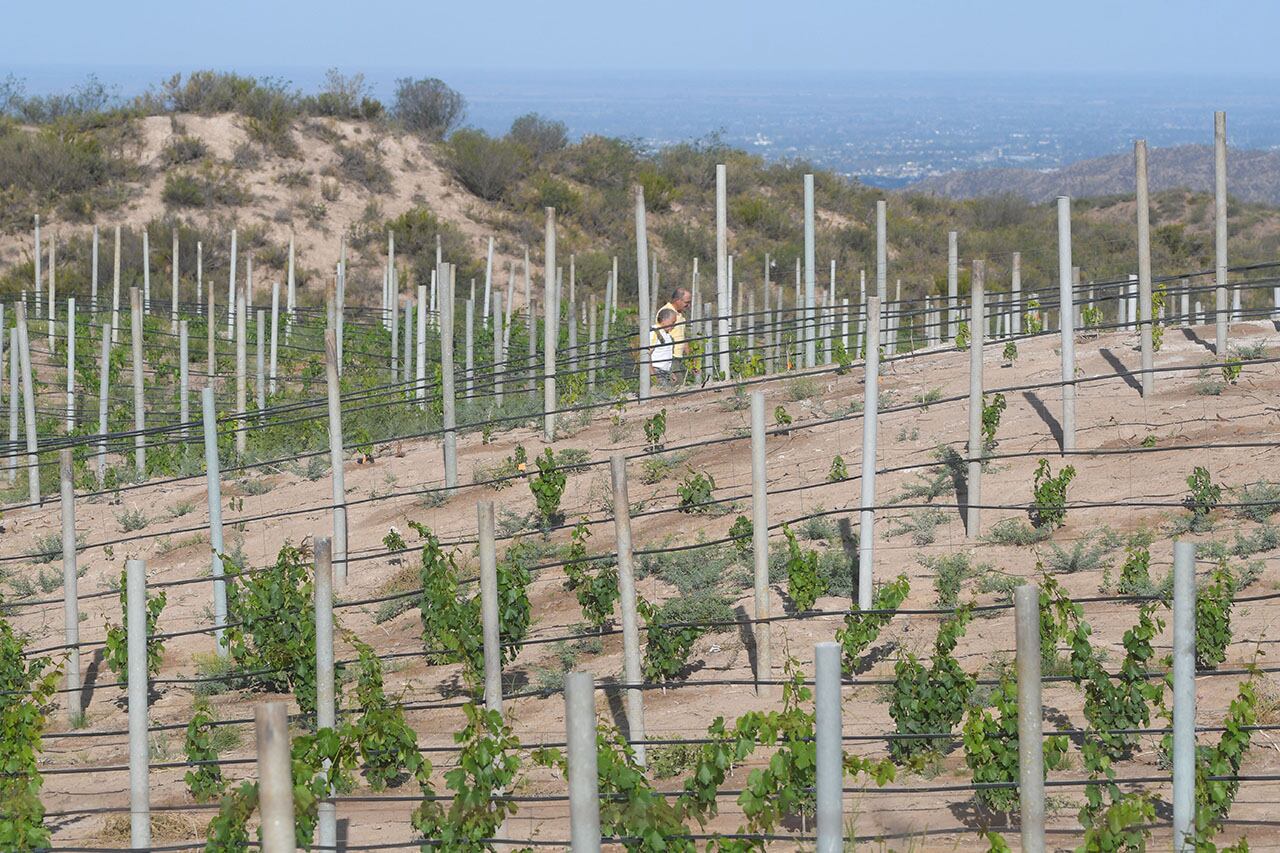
[1170,36]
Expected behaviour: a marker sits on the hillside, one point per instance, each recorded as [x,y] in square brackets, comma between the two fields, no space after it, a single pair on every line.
[323,179]
[1252,176]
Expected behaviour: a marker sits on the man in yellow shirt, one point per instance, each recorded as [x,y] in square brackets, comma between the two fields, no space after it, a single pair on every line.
[679,303]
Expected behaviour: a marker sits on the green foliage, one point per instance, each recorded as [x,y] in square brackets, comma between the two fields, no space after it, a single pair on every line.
[486,165]
[27,685]
[932,699]
[861,629]
[779,788]
[1049,495]
[1113,704]
[1091,316]
[1214,601]
[1015,531]
[204,779]
[488,761]
[780,416]
[629,805]
[451,629]
[962,336]
[1010,353]
[117,645]
[272,625]
[667,647]
[1135,573]
[393,541]
[1032,324]
[804,584]
[1258,501]
[1231,370]
[991,421]
[595,582]
[743,534]
[695,492]
[1214,796]
[1122,826]
[547,487]
[655,430]
[321,764]
[1204,496]
[950,571]
[428,106]
[991,748]
[838,470]
[388,746]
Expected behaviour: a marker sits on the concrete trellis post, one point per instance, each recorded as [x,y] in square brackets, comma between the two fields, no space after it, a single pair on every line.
[260,383]
[14,395]
[409,344]
[1184,696]
[146,271]
[139,759]
[1015,287]
[291,294]
[115,292]
[231,289]
[449,416]
[213,483]
[39,279]
[275,778]
[722,270]
[977,336]
[275,336]
[469,352]
[882,255]
[173,299]
[93,273]
[828,732]
[211,344]
[591,344]
[70,595]
[550,330]
[627,595]
[809,330]
[71,365]
[1026,601]
[242,367]
[1220,231]
[326,704]
[499,347]
[200,279]
[184,375]
[420,363]
[1144,267]
[139,398]
[531,328]
[583,771]
[870,414]
[335,458]
[760,543]
[104,399]
[488,281]
[642,277]
[51,325]
[1065,298]
[489,607]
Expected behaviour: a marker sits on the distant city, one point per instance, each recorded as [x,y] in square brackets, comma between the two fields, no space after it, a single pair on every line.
[886,129]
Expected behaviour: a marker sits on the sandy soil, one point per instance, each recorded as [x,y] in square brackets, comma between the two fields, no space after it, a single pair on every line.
[1111,414]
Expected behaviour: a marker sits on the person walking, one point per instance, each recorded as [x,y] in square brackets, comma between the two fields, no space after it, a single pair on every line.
[678,303]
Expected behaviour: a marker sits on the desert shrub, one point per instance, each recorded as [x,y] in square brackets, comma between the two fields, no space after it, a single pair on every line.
[950,571]
[183,149]
[539,136]
[659,191]
[543,190]
[1015,531]
[363,165]
[1258,501]
[487,166]
[206,185]
[428,106]
[602,161]
[87,99]
[343,97]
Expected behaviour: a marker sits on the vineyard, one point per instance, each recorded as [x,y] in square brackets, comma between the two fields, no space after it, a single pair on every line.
[479,553]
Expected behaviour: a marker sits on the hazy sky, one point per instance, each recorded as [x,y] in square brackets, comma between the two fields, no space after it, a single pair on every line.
[428,37]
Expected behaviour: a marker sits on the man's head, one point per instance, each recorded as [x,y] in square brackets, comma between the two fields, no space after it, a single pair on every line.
[680,298]
[666,319]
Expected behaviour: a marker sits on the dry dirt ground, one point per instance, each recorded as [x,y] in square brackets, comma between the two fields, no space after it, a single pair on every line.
[1111,415]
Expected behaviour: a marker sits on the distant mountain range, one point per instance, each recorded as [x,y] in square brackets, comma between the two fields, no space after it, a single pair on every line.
[1252,176]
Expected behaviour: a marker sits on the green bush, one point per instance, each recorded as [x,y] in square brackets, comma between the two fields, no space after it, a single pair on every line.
[362,164]
[486,166]
[540,137]
[428,106]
